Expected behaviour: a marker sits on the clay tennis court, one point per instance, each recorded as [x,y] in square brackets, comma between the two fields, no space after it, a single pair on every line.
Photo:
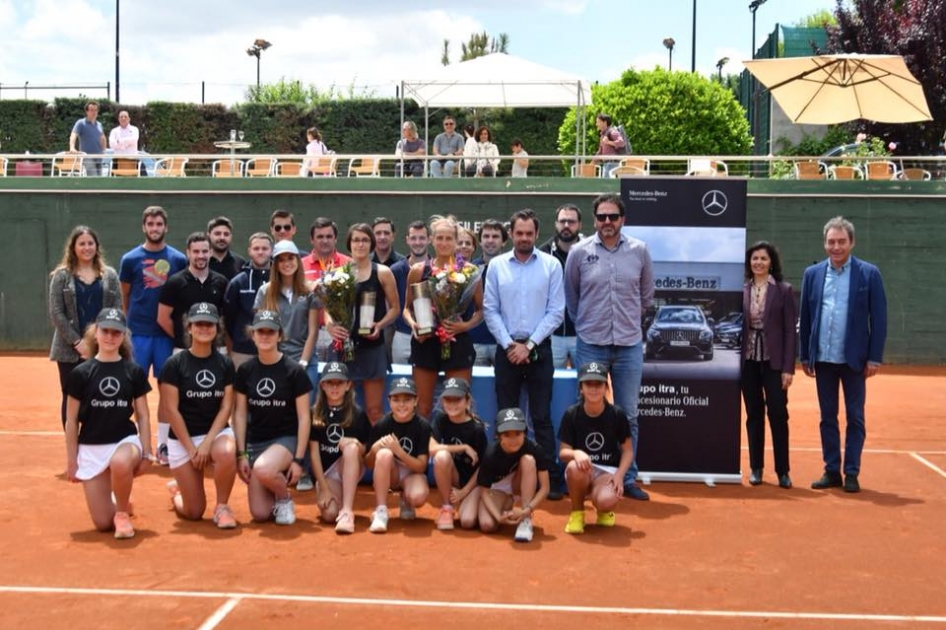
[694,556]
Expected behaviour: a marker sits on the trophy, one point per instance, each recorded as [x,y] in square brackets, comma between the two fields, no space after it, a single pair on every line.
[366,306]
[423,308]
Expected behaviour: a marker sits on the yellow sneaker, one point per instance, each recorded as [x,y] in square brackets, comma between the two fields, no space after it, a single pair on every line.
[606,519]
[576,522]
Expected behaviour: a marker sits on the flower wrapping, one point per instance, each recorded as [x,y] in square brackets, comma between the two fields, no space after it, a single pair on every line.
[451,289]
[336,290]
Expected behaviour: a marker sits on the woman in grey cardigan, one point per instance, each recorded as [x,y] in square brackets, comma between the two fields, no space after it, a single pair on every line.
[79,287]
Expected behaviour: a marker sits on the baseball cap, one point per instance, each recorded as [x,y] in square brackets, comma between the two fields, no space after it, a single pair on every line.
[266,319]
[284,247]
[112,319]
[203,312]
[455,387]
[593,372]
[511,419]
[335,371]
[403,385]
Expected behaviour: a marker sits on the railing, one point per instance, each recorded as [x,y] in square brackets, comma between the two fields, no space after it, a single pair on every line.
[757,167]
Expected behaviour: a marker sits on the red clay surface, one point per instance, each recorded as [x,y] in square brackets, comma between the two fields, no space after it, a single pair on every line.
[724,557]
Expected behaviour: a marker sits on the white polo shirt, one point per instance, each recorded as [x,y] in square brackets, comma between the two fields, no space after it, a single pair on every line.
[124,140]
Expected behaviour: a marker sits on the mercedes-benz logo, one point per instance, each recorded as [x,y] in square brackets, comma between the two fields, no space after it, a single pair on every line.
[407,445]
[402,382]
[109,386]
[334,367]
[715,203]
[451,383]
[112,314]
[203,308]
[457,441]
[593,367]
[205,379]
[334,433]
[510,415]
[266,387]
[594,441]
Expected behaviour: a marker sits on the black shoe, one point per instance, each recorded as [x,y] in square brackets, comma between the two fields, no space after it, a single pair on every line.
[555,493]
[755,477]
[784,481]
[828,480]
[851,484]
[633,491]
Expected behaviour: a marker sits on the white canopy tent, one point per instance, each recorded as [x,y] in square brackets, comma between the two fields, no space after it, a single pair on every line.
[498,80]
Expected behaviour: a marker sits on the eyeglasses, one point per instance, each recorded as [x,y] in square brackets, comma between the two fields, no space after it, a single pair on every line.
[282,228]
[449,124]
[567,221]
[363,241]
[603,218]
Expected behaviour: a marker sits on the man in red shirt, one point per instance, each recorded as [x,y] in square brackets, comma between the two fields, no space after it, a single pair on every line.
[323,233]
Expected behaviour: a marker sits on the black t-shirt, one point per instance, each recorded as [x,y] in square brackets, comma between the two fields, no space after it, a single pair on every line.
[183,290]
[497,463]
[106,392]
[271,392]
[331,433]
[471,432]
[414,435]
[201,385]
[600,437]
[229,267]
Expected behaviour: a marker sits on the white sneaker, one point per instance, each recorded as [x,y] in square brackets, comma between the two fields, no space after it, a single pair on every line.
[305,483]
[285,512]
[524,530]
[379,520]
[406,511]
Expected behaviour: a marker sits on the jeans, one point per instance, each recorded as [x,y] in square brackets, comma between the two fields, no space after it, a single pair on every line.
[563,348]
[626,368]
[537,377]
[607,167]
[828,376]
[442,170]
[761,391]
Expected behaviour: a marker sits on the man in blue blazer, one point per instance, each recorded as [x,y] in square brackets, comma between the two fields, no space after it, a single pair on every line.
[842,330]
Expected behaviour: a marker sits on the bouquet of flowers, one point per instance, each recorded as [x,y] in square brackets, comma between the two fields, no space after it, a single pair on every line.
[336,289]
[451,289]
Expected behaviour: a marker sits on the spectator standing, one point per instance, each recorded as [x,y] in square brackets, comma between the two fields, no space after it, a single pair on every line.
[609,285]
[843,327]
[384,233]
[222,259]
[90,136]
[315,147]
[411,149]
[143,273]
[418,239]
[610,142]
[567,233]
[240,297]
[524,302]
[520,162]
[123,139]
[448,144]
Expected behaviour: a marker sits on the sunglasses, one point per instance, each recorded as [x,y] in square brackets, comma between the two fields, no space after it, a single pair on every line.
[282,228]
[604,218]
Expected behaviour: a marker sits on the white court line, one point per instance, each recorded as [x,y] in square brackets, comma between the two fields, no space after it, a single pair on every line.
[214,620]
[939,471]
[27,433]
[479,606]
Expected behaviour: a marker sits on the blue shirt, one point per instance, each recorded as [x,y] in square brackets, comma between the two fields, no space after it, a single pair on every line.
[90,136]
[833,323]
[147,272]
[400,269]
[523,299]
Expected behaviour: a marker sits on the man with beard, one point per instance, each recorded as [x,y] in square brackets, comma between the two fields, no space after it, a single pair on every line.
[143,273]
[523,302]
[609,284]
[492,236]
[567,233]
[384,232]
[222,260]
[418,238]
[241,295]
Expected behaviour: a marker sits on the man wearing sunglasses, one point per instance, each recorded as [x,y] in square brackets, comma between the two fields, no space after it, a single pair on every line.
[446,144]
[282,225]
[609,284]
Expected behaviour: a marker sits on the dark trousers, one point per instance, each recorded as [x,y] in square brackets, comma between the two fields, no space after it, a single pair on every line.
[536,376]
[65,369]
[828,377]
[762,391]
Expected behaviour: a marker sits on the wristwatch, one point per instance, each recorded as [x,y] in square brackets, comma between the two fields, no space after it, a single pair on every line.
[303,363]
[299,460]
[530,345]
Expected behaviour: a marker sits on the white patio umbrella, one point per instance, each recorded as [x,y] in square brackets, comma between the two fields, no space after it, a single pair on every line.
[829,89]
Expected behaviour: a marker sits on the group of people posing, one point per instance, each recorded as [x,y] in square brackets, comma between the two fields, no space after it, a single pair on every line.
[262,411]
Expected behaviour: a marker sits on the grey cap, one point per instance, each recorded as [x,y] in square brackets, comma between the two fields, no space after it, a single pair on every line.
[403,385]
[334,371]
[111,319]
[456,387]
[266,319]
[203,312]
[511,419]
[593,372]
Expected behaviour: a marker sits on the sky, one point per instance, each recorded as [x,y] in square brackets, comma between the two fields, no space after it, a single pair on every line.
[168,47]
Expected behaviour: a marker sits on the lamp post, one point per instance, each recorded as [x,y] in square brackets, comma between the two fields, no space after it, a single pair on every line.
[753,7]
[669,44]
[117,98]
[719,67]
[255,51]
[693,50]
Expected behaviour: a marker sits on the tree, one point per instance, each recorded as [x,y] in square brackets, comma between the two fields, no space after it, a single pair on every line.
[818,19]
[479,45]
[666,113]
[293,91]
[445,54]
[915,29]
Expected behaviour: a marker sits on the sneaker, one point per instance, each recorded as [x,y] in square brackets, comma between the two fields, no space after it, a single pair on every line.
[285,512]
[524,530]
[123,528]
[576,522]
[223,517]
[606,519]
[345,523]
[379,520]
[634,491]
[445,518]
[162,459]
[305,483]
[406,511]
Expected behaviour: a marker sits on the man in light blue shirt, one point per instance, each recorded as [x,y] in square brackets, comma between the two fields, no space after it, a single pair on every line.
[523,302]
[447,144]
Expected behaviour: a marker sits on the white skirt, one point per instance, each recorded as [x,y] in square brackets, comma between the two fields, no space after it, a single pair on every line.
[93,459]
[177,454]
